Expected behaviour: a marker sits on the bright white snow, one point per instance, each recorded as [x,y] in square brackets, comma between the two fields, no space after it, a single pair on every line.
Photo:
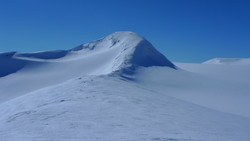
[121,51]
[120,88]
[231,61]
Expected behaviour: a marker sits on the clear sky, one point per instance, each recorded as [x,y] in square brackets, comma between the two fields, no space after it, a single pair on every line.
[183,30]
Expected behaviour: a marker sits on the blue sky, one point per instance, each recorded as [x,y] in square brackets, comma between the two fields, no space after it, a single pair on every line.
[183,30]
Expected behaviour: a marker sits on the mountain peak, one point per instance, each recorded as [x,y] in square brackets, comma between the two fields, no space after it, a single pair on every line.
[123,35]
[110,41]
[132,50]
[121,52]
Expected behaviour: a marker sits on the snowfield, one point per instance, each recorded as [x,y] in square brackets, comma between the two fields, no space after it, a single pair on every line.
[120,88]
[231,61]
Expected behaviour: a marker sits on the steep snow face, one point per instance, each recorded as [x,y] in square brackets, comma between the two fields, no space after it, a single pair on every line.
[8,64]
[231,61]
[131,50]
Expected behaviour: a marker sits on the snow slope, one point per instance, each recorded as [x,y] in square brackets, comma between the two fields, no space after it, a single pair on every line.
[118,52]
[231,61]
[120,88]
[104,108]
[224,88]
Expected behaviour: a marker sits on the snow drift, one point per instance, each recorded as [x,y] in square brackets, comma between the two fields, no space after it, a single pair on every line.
[231,61]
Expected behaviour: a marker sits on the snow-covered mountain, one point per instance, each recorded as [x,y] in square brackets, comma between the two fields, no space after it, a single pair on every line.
[120,88]
[120,52]
[231,61]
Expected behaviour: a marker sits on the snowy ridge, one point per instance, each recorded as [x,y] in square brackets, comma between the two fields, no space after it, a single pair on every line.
[231,61]
[132,51]
[122,50]
[120,88]
[103,108]
[119,53]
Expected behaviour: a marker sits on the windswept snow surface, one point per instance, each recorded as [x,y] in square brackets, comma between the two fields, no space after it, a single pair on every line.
[231,61]
[119,52]
[120,88]
[104,108]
